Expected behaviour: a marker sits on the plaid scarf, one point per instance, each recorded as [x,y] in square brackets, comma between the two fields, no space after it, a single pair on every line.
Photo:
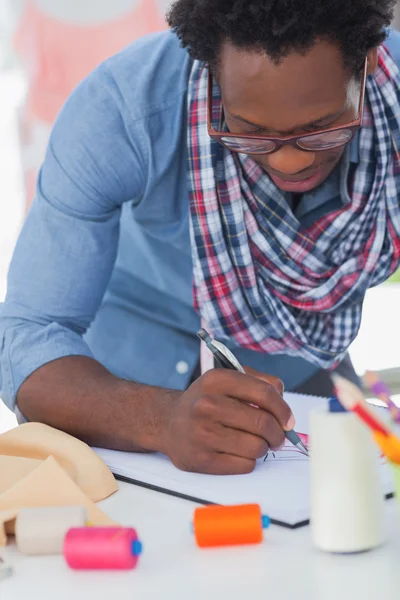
[262,280]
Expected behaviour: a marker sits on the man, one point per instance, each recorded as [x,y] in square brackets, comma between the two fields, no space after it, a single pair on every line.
[237,164]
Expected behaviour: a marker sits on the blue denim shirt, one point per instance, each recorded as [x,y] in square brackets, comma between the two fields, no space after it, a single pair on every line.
[102,267]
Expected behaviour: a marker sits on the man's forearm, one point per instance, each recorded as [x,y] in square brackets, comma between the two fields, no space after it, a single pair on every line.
[78,395]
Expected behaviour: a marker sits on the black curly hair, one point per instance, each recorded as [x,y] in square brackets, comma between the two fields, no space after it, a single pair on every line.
[278,27]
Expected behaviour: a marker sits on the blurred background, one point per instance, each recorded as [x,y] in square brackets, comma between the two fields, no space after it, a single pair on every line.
[46,48]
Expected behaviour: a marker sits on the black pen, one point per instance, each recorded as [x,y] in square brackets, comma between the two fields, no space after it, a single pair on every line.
[227,360]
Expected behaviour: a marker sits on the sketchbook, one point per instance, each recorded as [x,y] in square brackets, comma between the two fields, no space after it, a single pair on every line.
[279,483]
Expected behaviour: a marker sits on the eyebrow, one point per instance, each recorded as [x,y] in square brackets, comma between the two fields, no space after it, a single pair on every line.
[331,116]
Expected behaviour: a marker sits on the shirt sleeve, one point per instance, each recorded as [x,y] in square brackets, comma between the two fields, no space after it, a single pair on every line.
[66,251]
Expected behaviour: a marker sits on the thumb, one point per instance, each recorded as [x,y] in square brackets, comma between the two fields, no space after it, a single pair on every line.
[271,379]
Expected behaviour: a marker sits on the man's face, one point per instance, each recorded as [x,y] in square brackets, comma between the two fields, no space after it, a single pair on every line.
[303,94]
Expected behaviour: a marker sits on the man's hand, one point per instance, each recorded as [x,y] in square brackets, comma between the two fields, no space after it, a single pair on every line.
[213,428]
[210,428]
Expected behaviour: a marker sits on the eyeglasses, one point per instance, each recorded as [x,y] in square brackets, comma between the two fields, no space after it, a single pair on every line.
[325,139]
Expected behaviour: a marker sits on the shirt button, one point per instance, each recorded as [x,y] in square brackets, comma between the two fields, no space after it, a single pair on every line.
[182,367]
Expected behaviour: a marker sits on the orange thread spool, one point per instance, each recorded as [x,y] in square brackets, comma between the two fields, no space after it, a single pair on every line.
[229,525]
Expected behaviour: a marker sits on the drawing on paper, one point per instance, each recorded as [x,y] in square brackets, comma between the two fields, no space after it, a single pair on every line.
[289,452]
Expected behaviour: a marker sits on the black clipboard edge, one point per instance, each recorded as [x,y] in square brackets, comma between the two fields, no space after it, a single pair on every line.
[157,488]
[161,490]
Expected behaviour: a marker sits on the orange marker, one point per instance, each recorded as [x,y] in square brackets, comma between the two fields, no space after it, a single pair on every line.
[229,525]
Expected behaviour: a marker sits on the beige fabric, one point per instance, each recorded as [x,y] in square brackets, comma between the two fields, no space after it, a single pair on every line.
[41,466]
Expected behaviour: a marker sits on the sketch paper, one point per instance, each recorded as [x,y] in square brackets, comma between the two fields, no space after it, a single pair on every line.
[280,484]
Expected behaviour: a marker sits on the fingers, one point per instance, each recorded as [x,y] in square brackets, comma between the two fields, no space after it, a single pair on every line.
[225,421]
[240,443]
[275,381]
[224,464]
[258,423]
[245,388]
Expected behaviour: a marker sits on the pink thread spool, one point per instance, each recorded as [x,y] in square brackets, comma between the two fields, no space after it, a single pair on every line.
[100,548]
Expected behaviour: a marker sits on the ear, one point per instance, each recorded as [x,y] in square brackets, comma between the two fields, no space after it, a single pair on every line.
[372,57]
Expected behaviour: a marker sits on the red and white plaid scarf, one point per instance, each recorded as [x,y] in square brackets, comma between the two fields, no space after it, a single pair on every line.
[260,278]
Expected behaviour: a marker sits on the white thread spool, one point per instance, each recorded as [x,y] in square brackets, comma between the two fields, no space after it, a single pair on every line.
[346,488]
[42,530]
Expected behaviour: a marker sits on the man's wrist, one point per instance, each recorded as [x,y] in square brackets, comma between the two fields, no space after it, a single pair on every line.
[146,425]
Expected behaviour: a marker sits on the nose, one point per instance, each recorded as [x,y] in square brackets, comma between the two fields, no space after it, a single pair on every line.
[289,160]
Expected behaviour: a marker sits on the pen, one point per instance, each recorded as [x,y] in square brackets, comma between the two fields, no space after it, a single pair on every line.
[227,360]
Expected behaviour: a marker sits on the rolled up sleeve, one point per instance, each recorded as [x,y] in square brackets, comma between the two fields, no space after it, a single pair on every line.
[67,247]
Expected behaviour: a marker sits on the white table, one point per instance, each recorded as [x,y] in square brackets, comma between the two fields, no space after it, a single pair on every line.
[284,567]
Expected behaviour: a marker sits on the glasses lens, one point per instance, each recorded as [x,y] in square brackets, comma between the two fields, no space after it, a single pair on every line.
[324,141]
[248,145]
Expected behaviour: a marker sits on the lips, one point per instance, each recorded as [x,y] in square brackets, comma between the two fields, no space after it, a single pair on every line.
[305,177]
[302,185]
